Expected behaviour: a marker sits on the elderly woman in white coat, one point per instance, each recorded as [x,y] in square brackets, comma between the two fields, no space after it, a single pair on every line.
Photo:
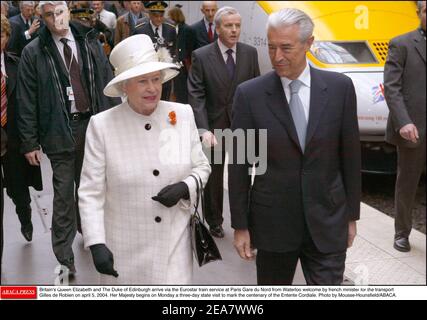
[136,190]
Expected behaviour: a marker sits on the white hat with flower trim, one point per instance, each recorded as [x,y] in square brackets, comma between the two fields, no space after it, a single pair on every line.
[134,57]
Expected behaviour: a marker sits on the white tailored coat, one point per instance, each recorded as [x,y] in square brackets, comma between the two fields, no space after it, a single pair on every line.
[128,159]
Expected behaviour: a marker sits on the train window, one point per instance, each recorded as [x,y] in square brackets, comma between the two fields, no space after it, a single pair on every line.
[343,52]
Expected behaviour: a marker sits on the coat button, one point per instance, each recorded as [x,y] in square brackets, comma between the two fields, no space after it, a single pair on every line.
[158,219]
[147,126]
[156,172]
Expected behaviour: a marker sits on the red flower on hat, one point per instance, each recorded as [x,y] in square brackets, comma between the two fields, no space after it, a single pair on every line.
[172,118]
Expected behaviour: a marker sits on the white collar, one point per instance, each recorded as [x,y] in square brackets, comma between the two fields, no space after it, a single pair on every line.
[69,36]
[304,77]
[154,27]
[223,48]
[207,23]
[25,20]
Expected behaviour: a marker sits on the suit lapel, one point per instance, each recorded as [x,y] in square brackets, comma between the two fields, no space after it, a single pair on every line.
[318,100]
[219,65]
[204,32]
[420,45]
[240,63]
[278,104]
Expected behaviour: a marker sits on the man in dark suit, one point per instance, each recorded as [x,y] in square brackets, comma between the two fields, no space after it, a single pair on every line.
[306,203]
[161,33]
[217,69]
[18,174]
[405,93]
[204,31]
[24,27]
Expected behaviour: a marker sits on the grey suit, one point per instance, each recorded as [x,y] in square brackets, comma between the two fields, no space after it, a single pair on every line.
[210,93]
[405,93]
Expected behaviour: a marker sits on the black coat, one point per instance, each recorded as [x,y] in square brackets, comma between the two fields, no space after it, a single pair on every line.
[200,35]
[16,169]
[183,55]
[43,113]
[17,41]
[320,187]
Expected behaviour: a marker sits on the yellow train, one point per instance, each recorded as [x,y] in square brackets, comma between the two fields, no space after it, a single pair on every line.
[350,37]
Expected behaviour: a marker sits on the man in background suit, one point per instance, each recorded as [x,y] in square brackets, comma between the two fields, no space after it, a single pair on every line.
[204,31]
[126,23]
[217,69]
[24,27]
[306,204]
[161,33]
[106,17]
[405,93]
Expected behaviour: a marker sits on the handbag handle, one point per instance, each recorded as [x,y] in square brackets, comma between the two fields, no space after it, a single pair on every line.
[200,196]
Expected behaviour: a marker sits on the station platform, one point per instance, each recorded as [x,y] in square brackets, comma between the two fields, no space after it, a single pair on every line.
[371,261]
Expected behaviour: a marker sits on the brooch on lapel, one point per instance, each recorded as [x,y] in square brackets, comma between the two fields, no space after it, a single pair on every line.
[172,118]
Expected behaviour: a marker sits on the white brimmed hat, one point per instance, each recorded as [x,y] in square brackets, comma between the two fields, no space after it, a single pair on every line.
[134,57]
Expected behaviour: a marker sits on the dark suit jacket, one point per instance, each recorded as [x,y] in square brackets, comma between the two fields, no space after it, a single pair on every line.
[210,89]
[17,41]
[168,34]
[405,87]
[320,187]
[31,175]
[200,35]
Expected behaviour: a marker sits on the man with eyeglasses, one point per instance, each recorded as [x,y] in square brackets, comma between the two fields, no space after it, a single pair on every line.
[61,79]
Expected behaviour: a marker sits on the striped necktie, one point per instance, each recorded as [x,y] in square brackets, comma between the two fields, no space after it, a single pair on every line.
[3,100]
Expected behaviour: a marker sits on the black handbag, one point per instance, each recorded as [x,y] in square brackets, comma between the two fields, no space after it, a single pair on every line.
[204,247]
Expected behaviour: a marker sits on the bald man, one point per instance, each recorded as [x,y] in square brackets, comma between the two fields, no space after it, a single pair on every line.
[203,32]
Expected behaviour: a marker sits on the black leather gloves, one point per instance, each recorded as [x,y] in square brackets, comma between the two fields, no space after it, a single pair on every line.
[103,259]
[170,195]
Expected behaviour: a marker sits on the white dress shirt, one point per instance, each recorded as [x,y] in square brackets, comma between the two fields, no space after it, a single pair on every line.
[160,32]
[223,48]
[73,45]
[27,32]
[207,26]
[3,67]
[108,18]
[304,91]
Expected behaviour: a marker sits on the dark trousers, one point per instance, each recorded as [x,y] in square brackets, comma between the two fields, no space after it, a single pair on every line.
[214,189]
[66,169]
[278,268]
[16,171]
[410,164]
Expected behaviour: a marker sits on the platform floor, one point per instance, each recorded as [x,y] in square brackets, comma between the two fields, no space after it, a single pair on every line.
[371,261]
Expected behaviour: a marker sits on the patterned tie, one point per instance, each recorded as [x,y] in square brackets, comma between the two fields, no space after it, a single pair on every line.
[210,33]
[80,98]
[297,111]
[231,66]
[156,34]
[3,100]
